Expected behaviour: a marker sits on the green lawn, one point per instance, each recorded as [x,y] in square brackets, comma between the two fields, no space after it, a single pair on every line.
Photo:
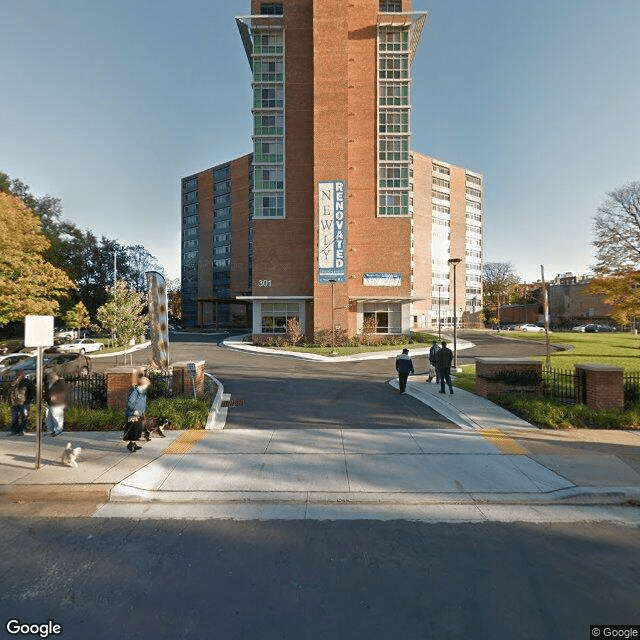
[617,349]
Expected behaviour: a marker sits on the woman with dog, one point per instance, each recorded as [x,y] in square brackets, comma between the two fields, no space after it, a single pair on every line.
[136,408]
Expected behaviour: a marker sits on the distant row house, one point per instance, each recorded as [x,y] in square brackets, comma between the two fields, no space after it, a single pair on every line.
[570,303]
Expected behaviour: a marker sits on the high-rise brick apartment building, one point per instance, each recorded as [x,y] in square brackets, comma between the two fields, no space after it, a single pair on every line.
[341,221]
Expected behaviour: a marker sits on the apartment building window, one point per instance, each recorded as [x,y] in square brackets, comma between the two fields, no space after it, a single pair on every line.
[190,197]
[440,208]
[438,168]
[472,229]
[190,244]
[474,216]
[276,315]
[190,185]
[269,178]
[222,187]
[222,212]
[268,71]
[190,209]
[440,222]
[191,221]
[393,176]
[393,40]
[193,231]
[393,95]
[268,43]
[393,68]
[222,237]
[221,174]
[223,200]
[393,149]
[393,204]
[268,97]
[224,262]
[440,182]
[441,195]
[190,256]
[269,207]
[222,224]
[268,151]
[394,122]
[473,192]
[271,9]
[390,6]
[474,180]
[220,251]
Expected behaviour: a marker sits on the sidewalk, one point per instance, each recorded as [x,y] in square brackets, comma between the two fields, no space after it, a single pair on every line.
[493,460]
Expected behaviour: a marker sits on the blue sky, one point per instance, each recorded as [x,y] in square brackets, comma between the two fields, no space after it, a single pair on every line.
[108,104]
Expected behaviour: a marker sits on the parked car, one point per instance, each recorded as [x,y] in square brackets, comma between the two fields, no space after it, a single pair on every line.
[82,345]
[580,328]
[531,327]
[598,328]
[64,364]
[10,359]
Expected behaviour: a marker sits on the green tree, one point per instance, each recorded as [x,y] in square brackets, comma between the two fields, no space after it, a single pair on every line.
[622,293]
[78,317]
[28,283]
[122,314]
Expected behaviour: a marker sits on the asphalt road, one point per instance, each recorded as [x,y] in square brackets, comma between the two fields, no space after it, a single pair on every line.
[294,580]
[284,392]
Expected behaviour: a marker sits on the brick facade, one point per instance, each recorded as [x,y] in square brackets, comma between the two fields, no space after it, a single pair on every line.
[508,375]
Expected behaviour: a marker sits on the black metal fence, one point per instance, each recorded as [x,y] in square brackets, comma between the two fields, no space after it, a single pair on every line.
[631,382]
[564,385]
[161,385]
[87,391]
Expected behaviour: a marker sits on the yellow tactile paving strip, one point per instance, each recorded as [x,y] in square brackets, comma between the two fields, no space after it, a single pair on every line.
[503,442]
[185,441]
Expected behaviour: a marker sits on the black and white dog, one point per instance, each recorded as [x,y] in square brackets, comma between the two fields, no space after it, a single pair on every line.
[154,427]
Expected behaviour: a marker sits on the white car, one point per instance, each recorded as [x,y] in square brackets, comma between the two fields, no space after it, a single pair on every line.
[82,345]
[531,327]
[11,359]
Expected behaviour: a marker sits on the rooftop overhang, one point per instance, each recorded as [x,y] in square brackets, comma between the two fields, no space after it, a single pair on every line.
[247,23]
[386,299]
[271,298]
[414,20]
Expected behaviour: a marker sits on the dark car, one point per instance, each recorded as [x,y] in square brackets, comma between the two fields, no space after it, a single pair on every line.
[598,328]
[64,364]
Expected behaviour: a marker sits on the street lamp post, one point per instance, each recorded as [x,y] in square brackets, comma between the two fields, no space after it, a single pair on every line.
[333,326]
[455,262]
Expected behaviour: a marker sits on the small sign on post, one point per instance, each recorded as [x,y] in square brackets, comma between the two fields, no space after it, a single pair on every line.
[191,370]
[38,332]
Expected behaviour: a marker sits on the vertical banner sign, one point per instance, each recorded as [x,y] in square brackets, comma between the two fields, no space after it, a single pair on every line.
[332,230]
[158,319]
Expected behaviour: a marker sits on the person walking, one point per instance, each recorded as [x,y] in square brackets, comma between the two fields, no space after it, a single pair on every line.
[134,414]
[20,397]
[443,367]
[404,366]
[433,360]
[56,398]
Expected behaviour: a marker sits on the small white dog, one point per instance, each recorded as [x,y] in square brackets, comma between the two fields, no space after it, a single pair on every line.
[70,454]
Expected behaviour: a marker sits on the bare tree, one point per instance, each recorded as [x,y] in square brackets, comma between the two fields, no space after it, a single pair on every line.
[499,284]
[617,231]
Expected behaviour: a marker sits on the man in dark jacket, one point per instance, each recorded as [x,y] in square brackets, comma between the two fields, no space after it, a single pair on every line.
[404,367]
[443,367]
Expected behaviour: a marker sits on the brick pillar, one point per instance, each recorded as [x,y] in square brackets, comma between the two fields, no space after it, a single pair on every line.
[508,375]
[603,384]
[187,384]
[119,381]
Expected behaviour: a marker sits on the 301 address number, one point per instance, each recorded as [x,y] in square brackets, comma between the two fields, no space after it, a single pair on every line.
[264,283]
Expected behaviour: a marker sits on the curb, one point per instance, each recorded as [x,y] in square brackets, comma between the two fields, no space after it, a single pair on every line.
[56,493]
[576,496]
[217,415]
